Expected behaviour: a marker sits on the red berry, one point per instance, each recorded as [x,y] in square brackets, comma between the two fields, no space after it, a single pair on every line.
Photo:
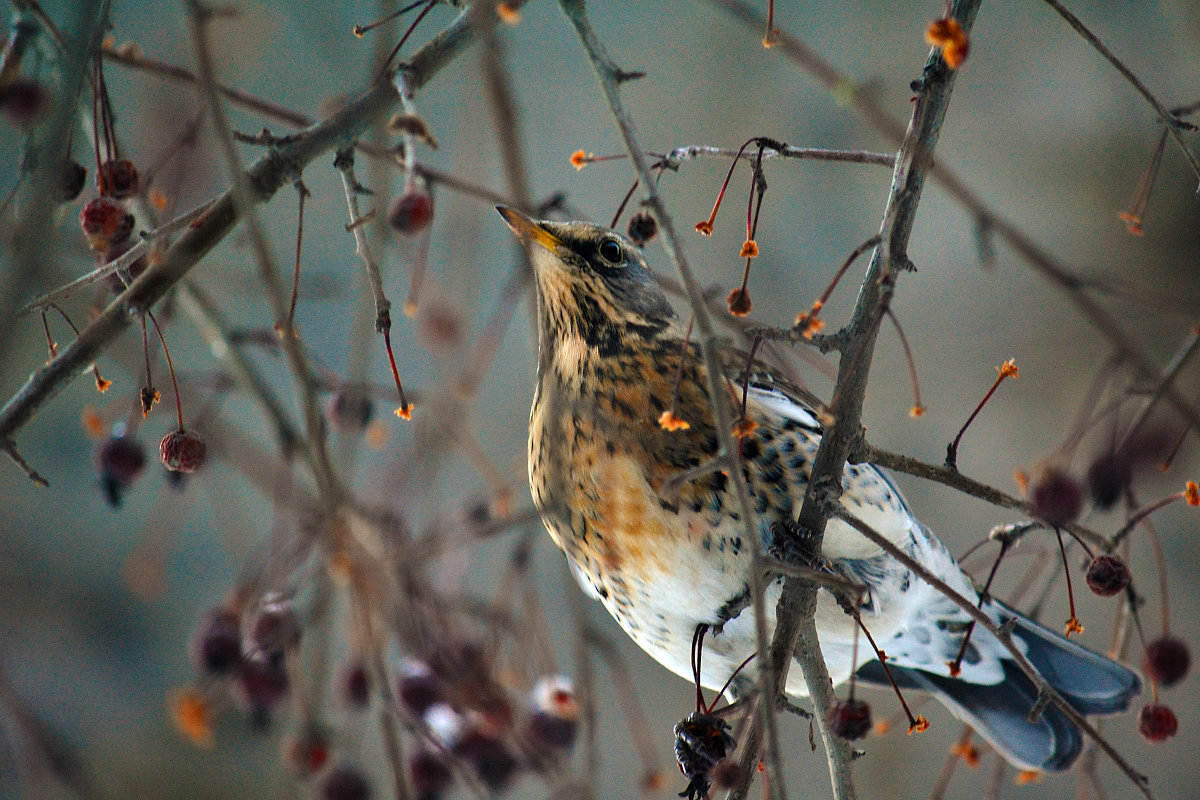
[118,178]
[554,719]
[71,177]
[489,756]
[430,774]
[122,459]
[849,719]
[356,685]
[308,752]
[218,644]
[739,302]
[105,223]
[182,451]
[1167,660]
[419,688]
[411,212]
[22,101]
[350,409]
[345,783]
[1107,478]
[1157,723]
[1107,575]
[1056,497]
[642,228]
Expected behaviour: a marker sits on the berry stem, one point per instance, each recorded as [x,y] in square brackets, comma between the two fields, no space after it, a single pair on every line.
[624,202]
[1005,370]
[359,30]
[170,369]
[956,664]
[706,227]
[405,409]
[429,4]
[917,409]
[1141,196]
[1073,625]
[304,194]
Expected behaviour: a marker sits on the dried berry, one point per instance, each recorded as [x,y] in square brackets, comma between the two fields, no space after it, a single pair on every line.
[419,688]
[1055,497]
[1157,723]
[430,774]
[276,627]
[345,783]
[849,719]
[71,177]
[1167,660]
[118,178]
[1107,575]
[642,228]
[739,302]
[217,647]
[262,681]
[22,101]
[105,223]
[350,409]
[1107,478]
[182,451]
[487,754]
[356,685]
[701,742]
[554,719]
[122,459]
[411,212]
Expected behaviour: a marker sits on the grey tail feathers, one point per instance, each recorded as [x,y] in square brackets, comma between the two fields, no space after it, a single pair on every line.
[1091,683]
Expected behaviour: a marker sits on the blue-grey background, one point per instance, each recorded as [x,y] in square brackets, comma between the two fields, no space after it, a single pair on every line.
[1039,126]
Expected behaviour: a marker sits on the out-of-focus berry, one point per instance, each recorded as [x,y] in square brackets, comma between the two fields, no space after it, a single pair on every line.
[345,783]
[217,646]
[488,755]
[642,228]
[262,682]
[430,774]
[1167,660]
[1157,723]
[22,101]
[554,718]
[412,211]
[276,627]
[118,178]
[350,409]
[308,752]
[105,223]
[849,719]
[1055,497]
[356,685]
[418,688]
[71,177]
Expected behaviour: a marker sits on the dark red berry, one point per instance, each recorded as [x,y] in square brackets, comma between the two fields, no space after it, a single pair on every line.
[489,756]
[411,212]
[118,178]
[350,409]
[22,101]
[554,719]
[1157,723]
[132,272]
[739,302]
[642,228]
[701,742]
[1107,575]
[356,685]
[217,647]
[1167,660]
[345,783]
[122,459]
[849,719]
[419,688]
[182,451]
[71,177]
[262,681]
[1107,478]
[1055,496]
[105,223]
[308,753]
[276,627]
[430,774]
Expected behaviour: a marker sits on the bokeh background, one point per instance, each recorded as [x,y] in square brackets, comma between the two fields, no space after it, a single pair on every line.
[1039,126]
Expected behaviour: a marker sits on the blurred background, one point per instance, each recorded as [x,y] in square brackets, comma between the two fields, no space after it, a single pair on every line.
[99,604]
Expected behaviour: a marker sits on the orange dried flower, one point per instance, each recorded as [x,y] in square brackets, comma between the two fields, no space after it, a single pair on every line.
[508,13]
[653,781]
[1073,626]
[670,422]
[1028,776]
[918,725]
[192,714]
[955,668]
[744,427]
[749,249]
[1008,369]
[705,227]
[881,727]
[916,412]
[968,752]
[948,34]
[92,423]
[739,302]
[579,159]
[102,384]
[158,198]
[1191,493]
[1022,481]
[404,411]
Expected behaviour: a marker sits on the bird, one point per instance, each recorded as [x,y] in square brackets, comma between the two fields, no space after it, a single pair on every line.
[654,532]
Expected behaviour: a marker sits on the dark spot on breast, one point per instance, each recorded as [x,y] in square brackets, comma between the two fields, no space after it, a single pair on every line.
[750,448]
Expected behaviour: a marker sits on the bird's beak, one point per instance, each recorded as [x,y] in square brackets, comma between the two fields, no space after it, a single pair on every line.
[529,229]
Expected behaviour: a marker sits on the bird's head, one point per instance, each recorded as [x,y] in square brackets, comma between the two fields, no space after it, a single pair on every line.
[592,283]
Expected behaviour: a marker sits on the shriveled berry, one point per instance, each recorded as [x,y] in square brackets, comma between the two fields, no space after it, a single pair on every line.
[642,228]
[849,719]
[739,302]
[71,177]
[1055,496]
[1167,660]
[122,459]
[217,647]
[356,685]
[418,688]
[262,681]
[22,101]
[430,774]
[308,752]
[1107,575]
[1157,723]
[345,783]
[1107,477]
[276,626]
[701,742]
[350,409]
[412,211]
[489,756]
[105,223]
[118,178]
[182,451]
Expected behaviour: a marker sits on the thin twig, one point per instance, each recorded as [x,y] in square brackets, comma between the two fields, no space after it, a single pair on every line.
[772,149]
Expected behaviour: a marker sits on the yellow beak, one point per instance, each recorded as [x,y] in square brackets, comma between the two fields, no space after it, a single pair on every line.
[529,229]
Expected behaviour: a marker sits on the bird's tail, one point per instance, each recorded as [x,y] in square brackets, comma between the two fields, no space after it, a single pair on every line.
[1091,683]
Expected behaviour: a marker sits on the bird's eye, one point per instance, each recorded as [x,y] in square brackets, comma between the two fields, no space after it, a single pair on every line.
[610,250]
